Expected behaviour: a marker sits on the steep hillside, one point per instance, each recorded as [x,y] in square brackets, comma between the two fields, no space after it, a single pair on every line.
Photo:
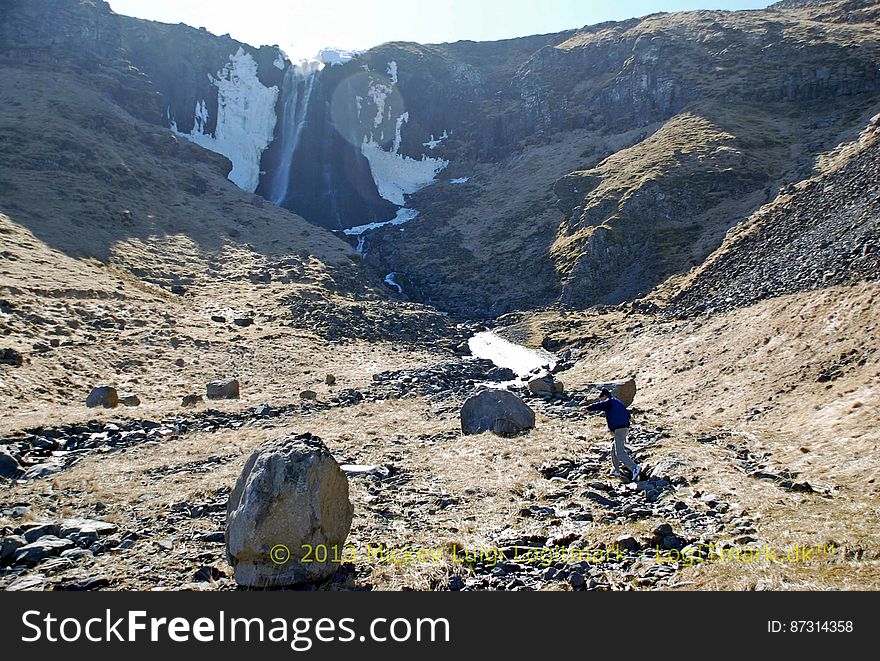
[818,233]
[122,240]
[659,134]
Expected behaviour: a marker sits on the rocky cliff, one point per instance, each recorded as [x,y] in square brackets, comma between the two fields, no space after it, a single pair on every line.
[577,168]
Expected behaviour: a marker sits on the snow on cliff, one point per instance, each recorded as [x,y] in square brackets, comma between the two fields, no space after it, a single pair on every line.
[395,174]
[245,119]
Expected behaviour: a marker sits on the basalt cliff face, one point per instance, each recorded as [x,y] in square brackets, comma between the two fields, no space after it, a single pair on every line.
[577,168]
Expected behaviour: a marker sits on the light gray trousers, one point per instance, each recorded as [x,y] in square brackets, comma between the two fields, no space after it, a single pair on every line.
[619,453]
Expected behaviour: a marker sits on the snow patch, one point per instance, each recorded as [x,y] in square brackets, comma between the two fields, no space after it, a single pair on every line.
[461,180]
[245,119]
[337,56]
[402,218]
[392,72]
[396,175]
[503,353]
[433,143]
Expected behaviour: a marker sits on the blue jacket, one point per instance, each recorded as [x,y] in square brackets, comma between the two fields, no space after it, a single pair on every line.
[615,411]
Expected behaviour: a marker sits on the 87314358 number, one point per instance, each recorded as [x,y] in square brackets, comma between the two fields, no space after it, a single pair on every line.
[810,626]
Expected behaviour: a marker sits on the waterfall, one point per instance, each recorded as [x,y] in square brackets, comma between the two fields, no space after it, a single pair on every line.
[296,90]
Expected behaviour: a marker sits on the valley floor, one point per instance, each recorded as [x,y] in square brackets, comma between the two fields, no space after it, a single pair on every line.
[759,442]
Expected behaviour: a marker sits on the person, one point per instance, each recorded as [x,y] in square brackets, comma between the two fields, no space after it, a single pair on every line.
[618,418]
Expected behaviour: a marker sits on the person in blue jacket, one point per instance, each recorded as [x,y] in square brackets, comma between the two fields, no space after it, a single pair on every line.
[618,418]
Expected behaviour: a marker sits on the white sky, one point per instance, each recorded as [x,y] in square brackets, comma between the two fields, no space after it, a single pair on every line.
[303,28]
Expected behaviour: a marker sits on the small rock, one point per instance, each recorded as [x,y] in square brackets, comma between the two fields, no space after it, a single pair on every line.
[228,389]
[42,470]
[243,323]
[576,580]
[32,583]
[178,290]
[627,543]
[33,534]
[214,537]
[662,530]
[180,362]
[129,399]
[264,411]
[11,357]
[501,374]
[87,585]
[8,546]
[308,395]
[41,549]
[455,583]
[218,319]
[105,396]
[76,554]
[9,466]
[207,574]
[192,400]
[330,380]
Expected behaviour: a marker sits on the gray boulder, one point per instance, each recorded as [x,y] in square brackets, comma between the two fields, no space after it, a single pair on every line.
[625,391]
[498,411]
[291,494]
[228,389]
[105,396]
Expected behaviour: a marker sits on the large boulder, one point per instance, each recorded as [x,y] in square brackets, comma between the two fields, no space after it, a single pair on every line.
[625,391]
[498,411]
[291,495]
[228,389]
[105,396]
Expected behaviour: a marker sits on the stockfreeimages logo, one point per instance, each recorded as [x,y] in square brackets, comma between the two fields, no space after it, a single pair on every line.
[300,634]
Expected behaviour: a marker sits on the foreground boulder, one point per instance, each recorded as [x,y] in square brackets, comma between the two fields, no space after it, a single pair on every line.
[228,389]
[291,494]
[625,391]
[498,411]
[105,396]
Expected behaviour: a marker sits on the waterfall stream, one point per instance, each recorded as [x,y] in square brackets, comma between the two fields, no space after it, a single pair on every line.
[296,90]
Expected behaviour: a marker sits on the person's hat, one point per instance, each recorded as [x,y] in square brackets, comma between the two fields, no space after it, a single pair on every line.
[605,392]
